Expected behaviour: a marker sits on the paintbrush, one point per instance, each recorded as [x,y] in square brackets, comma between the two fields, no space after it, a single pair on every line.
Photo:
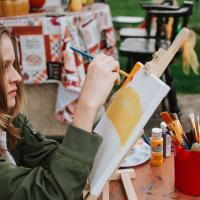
[193,137]
[175,118]
[179,129]
[171,125]
[187,141]
[178,125]
[87,55]
[146,138]
[189,138]
[192,119]
[168,120]
[198,126]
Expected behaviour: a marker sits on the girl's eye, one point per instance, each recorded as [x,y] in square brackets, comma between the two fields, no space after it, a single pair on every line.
[8,64]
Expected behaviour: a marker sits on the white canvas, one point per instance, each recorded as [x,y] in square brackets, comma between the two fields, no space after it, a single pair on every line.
[122,124]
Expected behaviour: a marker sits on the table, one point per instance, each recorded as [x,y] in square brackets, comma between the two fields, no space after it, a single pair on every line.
[44,49]
[152,183]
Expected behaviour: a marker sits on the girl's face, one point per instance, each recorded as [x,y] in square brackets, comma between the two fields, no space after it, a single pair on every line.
[12,77]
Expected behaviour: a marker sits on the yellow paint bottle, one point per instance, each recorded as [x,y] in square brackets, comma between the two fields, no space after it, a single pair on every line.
[156,147]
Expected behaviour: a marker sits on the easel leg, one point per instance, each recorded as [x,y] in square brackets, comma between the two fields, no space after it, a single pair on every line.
[125,175]
[106,192]
[128,186]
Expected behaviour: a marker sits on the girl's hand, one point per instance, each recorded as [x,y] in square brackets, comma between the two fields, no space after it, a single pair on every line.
[103,72]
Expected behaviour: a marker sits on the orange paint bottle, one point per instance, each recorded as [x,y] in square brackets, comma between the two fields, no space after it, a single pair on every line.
[156,147]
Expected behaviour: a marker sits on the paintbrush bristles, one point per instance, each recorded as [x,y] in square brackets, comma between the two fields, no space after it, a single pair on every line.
[184,140]
[173,116]
[166,117]
[198,128]
[173,127]
[192,119]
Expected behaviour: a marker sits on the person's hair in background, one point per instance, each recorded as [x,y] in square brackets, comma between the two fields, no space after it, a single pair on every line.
[7,114]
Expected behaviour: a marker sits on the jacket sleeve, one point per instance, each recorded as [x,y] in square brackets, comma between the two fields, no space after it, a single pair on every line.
[62,174]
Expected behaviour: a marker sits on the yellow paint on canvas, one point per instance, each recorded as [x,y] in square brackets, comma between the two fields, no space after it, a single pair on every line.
[125,111]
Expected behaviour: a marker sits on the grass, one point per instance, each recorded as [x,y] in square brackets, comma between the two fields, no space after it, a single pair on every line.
[189,84]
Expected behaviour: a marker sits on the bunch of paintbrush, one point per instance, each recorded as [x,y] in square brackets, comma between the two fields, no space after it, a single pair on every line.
[195,127]
[181,138]
[193,136]
[176,129]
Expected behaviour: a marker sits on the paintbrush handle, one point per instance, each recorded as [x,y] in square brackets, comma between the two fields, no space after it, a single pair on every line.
[87,55]
[146,139]
[123,73]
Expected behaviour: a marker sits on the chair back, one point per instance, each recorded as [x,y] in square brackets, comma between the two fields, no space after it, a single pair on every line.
[179,19]
[164,5]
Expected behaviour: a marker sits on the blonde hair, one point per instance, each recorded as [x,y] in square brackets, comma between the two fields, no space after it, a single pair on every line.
[6,114]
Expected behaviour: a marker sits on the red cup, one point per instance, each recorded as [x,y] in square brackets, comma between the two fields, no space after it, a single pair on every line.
[187,171]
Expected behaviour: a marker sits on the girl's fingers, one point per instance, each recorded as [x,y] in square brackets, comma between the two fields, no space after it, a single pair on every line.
[116,78]
[115,66]
[109,63]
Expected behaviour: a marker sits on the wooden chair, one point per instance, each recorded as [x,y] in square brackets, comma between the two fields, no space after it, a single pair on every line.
[142,49]
[148,31]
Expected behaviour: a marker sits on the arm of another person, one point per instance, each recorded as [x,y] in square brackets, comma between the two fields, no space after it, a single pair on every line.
[68,165]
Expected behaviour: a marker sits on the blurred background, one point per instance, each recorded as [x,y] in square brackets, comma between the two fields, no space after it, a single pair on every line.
[185,84]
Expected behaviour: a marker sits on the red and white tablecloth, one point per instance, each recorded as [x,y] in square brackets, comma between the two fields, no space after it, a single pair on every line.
[45,55]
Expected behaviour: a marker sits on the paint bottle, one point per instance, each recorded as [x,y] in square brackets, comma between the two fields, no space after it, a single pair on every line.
[172,142]
[166,140]
[156,147]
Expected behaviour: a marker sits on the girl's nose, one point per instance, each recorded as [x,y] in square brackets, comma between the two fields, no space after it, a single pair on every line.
[15,77]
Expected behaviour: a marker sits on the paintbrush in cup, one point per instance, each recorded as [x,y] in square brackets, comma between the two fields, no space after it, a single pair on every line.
[172,126]
[178,125]
[192,119]
[198,127]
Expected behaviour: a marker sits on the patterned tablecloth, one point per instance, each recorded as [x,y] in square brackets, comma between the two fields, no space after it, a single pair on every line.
[45,55]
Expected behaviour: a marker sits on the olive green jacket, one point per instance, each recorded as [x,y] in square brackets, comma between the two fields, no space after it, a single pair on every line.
[45,169]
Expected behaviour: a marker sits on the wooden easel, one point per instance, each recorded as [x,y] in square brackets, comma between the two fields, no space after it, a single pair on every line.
[125,175]
[156,66]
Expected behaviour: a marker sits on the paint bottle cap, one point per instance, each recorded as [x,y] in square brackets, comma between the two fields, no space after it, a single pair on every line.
[156,133]
[163,126]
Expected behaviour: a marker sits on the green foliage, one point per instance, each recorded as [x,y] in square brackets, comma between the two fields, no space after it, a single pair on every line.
[126,7]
